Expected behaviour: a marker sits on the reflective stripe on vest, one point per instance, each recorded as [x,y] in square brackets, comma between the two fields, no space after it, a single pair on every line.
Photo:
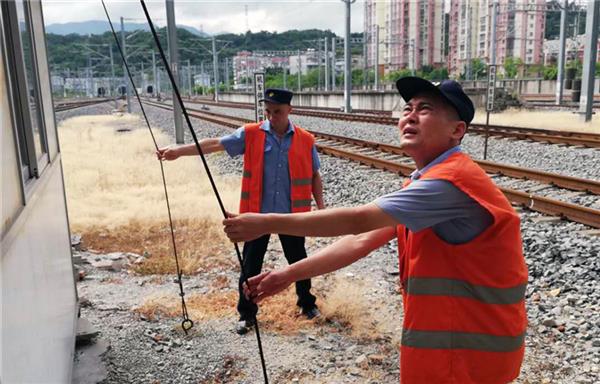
[299,182]
[299,163]
[461,340]
[454,287]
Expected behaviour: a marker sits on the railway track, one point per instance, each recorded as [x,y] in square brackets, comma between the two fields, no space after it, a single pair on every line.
[66,105]
[391,158]
[582,139]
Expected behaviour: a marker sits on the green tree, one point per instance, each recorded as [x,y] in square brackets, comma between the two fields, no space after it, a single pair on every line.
[479,69]
[550,72]
[511,67]
[395,75]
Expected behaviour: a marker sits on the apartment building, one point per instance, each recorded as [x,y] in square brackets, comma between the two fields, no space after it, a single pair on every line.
[411,34]
[519,33]
[245,63]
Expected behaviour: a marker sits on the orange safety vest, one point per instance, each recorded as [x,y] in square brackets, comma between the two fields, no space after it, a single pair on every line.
[464,305]
[300,167]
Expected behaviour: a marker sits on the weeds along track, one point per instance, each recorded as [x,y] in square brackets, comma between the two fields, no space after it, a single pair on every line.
[571,198]
[583,139]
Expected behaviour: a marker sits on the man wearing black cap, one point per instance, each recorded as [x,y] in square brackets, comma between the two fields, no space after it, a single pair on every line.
[461,265]
[281,175]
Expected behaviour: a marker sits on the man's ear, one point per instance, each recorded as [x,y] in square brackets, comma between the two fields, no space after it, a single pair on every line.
[460,129]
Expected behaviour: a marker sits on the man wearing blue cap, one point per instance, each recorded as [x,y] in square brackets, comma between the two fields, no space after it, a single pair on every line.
[461,264]
[281,172]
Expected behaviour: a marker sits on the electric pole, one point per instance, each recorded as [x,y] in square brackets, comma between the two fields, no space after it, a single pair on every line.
[592,25]
[561,54]
[174,59]
[377,57]
[326,65]
[347,61]
[125,79]
[215,68]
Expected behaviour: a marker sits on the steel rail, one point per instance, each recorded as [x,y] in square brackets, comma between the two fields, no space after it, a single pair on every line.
[590,140]
[562,181]
[573,212]
[65,106]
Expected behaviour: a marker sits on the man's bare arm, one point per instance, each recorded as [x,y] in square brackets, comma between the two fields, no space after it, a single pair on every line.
[317,190]
[325,223]
[336,256]
[174,152]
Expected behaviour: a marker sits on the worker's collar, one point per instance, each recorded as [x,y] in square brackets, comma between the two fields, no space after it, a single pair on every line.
[417,173]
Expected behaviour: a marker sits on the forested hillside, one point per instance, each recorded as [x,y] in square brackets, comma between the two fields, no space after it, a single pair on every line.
[75,52]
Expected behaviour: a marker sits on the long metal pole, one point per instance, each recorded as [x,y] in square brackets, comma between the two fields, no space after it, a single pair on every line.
[248,85]
[414,57]
[366,39]
[592,25]
[468,74]
[284,76]
[174,62]
[333,63]
[214,187]
[561,54]
[299,72]
[493,40]
[155,89]
[215,68]
[377,57]
[318,64]
[112,74]
[143,78]
[492,62]
[125,80]
[227,85]
[189,78]
[347,62]
[326,64]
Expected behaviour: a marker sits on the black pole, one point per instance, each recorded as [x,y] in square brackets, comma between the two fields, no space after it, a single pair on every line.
[487,133]
[212,182]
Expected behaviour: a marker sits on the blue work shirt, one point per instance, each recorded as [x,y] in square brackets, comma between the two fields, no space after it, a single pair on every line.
[437,204]
[276,173]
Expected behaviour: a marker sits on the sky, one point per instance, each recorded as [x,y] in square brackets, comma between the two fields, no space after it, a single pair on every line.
[214,17]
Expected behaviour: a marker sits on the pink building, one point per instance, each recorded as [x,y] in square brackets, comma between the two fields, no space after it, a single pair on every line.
[411,33]
[245,63]
[519,33]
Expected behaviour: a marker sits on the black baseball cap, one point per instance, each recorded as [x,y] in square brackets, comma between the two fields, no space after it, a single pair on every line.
[277,96]
[450,90]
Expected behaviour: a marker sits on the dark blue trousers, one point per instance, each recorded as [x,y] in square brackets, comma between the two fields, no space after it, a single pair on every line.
[253,256]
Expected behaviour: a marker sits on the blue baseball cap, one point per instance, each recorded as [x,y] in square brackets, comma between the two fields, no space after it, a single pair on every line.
[449,90]
[277,96]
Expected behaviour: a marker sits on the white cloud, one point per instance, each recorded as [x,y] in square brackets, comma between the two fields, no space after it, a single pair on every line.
[218,16]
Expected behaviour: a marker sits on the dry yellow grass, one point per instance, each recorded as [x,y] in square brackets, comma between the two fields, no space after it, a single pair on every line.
[116,199]
[277,314]
[345,303]
[547,119]
[201,245]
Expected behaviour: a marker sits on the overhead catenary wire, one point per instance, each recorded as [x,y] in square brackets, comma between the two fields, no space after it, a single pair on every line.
[207,169]
[186,323]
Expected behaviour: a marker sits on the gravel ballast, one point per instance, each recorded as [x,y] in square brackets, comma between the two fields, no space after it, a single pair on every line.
[563,295]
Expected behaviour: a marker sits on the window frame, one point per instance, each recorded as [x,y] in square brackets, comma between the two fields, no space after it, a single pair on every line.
[31,166]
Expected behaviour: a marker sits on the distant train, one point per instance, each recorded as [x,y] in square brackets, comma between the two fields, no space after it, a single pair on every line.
[39,300]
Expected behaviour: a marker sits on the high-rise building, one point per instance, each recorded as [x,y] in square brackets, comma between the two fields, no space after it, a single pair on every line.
[519,33]
[411,33]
